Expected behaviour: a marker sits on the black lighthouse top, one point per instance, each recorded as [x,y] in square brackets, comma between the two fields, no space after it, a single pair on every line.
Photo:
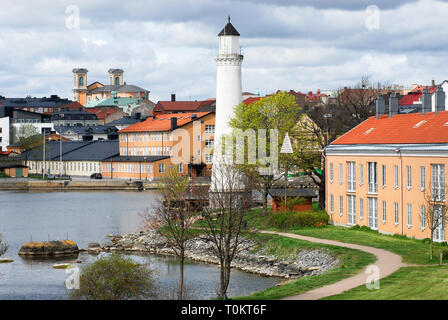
[229,30]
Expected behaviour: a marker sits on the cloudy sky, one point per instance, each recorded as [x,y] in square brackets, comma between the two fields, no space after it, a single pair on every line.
[169,46]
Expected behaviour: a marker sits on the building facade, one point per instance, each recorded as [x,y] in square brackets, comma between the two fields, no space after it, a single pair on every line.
[382,173]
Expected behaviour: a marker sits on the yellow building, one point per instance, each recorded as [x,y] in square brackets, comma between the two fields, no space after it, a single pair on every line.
[96,91]
[148,149]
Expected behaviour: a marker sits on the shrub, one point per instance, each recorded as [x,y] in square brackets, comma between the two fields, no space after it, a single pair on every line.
[290,219]
[426,241]
[115,278]
[291,203]
[445,254]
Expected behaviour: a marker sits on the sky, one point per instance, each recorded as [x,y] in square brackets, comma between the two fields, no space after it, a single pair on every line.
[168,46]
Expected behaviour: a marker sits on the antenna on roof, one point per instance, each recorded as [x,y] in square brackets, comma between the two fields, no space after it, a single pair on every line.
[228,18]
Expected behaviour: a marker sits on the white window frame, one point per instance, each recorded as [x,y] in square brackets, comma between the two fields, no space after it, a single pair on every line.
[341,172]
[395,176]
[422,178]
[341,206]
[422,217]
[438,182]
[384,211]
[351,176]
[409,177]
[373,212]
[331,172]
[351,209]
[373,177]
[383,175]
[361,174]
[396,214]
[361,208]
[409,214]
[331,204]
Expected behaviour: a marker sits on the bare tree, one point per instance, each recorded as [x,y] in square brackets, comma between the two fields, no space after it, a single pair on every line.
[223,217]
[173,216]
[434,216]
[3,246]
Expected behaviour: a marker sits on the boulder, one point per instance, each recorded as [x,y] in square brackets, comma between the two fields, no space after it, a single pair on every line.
[49,248]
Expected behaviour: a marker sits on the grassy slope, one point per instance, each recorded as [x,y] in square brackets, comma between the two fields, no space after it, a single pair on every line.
[419,283]
[352,262]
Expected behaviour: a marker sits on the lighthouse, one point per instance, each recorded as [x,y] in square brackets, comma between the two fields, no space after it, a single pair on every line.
[228,95]
[228,81]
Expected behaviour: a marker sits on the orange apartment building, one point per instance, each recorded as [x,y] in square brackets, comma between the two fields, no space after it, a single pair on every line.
[148,149]
[378,173]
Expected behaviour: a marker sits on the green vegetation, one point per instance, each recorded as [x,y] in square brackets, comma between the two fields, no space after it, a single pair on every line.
[416,283]
[351,262]
[412,250]
[115,277]
[3,175]
[292,219]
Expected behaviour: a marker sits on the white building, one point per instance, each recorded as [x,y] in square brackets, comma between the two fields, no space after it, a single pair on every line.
[4,133]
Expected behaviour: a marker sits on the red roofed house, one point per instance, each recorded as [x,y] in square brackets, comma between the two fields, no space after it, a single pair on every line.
[148,149]
[378,173]
[174,106]
[414,97]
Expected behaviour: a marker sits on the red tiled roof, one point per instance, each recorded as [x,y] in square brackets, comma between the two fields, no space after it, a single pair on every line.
[400,128]
[163,122]
[414,95]
[251,100]
[182,105]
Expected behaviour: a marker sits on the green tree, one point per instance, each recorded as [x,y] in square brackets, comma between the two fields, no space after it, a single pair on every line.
[274,112]
[26,137]
[115,278]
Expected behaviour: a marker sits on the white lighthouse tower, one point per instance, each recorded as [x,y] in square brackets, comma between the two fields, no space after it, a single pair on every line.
[228,82]
[228,95]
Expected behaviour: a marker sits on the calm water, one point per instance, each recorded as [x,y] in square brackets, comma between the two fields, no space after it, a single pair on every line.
[88,217]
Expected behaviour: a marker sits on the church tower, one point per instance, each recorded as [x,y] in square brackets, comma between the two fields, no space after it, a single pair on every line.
[80,85]
[228,82]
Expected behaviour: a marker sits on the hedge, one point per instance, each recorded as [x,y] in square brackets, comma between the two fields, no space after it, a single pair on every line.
[290,219]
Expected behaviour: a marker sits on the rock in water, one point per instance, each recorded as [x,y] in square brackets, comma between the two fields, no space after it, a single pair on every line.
[6,260]
[49,248]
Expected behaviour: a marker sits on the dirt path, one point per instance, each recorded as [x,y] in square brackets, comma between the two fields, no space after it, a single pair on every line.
[387,263]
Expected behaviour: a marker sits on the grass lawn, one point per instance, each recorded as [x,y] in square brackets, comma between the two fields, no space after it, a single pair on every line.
[351,262]
[409,283]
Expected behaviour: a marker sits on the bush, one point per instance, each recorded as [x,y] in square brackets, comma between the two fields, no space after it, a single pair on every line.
[445,254]
[115,278]
[290,219]
[291,203]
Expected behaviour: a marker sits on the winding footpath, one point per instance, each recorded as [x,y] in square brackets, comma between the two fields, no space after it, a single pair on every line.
[387,263]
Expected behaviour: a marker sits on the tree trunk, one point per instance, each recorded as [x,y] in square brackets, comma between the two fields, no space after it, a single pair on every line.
[430,246]
[265,201]
[181,278]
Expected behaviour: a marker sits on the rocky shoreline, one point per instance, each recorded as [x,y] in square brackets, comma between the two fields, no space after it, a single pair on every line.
[248,259]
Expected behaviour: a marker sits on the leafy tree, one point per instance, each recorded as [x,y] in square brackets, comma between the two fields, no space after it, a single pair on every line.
[26,138]
[274,112]
[115,278]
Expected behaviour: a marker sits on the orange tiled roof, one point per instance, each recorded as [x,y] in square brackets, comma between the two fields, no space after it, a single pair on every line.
[251,100]
[163,122]
[399,129]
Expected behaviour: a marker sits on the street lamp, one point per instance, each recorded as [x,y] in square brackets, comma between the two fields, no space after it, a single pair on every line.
[326,116]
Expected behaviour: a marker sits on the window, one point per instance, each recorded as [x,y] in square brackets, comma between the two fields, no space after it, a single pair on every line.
[422,217]
[210,128]
[438,182]
[179,167]
[373,213]
[372,177]
[81,81]
[383,173]
[208,158]
[199,137]
[396,213]
[341,205]
[409,177]
[117,81]
[331,204]
[409,215]
[161,168]
[361,175]
[331,172]
[209,144]
[422,178]
[351,209]
[340,173]
[361,209]
[351,177]
[395,176]
[384,211]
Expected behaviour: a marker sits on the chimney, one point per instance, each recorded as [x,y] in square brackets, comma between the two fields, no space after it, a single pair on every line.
[393,104]
[439,99]
[380,106]
[194,116]
[173,123]
[426,101]
[138,115]
[173,97]
[433,83]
